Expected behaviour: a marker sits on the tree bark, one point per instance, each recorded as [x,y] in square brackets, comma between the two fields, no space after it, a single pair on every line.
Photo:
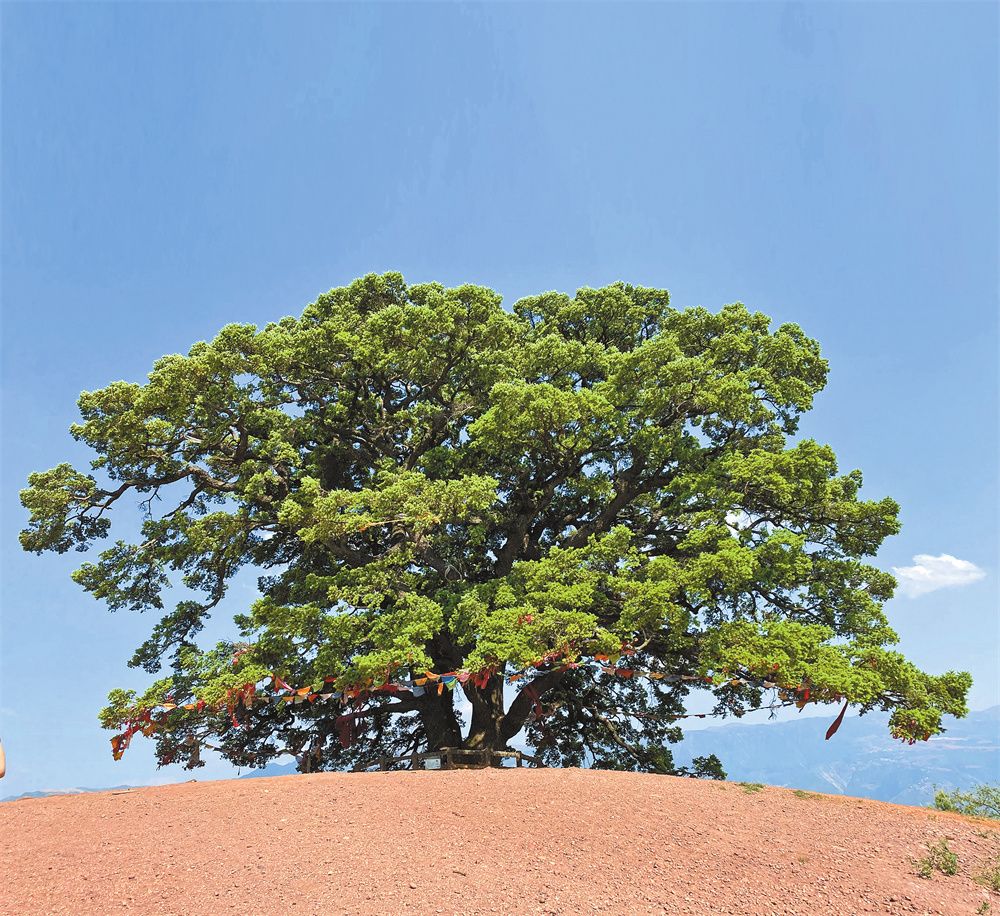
[440,722]
[487,711]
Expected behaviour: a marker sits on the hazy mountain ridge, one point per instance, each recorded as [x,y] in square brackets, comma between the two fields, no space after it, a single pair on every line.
[48,793]
[862,759]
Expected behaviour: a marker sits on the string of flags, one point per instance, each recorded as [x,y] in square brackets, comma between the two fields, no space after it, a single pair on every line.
[248,694]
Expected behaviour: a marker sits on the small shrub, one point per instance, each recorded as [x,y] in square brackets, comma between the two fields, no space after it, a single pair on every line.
[983,908]
[991,877]
[939,858]
[802,793]
[709,767]
[982,801]
[751,787]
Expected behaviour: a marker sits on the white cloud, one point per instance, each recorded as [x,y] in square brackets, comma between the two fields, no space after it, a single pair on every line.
[928,574]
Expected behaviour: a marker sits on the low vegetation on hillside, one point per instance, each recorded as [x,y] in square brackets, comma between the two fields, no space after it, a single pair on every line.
[982,801]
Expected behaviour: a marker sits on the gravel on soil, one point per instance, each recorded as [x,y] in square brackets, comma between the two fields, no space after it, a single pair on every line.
[512,841]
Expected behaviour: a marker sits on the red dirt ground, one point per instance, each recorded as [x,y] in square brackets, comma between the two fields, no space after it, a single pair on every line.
[482,841]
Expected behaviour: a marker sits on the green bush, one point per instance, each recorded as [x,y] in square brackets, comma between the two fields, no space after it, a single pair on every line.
[982,801]
[939,858]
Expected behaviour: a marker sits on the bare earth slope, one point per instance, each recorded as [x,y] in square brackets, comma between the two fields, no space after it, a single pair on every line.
[485,841]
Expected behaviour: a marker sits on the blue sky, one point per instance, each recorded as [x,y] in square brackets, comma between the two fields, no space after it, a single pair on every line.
[169,168]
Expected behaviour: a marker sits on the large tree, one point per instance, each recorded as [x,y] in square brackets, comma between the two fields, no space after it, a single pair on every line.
[428,482]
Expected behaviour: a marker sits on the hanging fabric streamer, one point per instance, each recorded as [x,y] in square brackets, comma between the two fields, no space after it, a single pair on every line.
[279,683]
[531,692]
[832,730]
[345,730]
[799,694]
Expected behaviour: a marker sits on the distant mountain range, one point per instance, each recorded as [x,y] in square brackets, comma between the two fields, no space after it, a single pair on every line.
[861,759]
[48,793]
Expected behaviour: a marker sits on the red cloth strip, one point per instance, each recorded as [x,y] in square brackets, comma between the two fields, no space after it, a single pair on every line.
[832,730]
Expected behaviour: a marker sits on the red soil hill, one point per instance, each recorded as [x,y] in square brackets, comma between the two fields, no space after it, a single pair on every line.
[482,841]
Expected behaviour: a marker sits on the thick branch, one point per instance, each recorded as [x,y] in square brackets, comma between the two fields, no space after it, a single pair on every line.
[516,716]
[410,704]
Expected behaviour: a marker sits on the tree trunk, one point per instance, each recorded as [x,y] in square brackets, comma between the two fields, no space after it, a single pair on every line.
[440,722]
[491,727]
[487,714]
